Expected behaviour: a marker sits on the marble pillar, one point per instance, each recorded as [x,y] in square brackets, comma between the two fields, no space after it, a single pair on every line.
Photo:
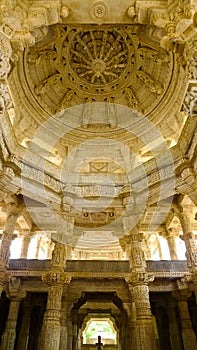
[188,335]
[138,286]
[189,238]
[64,320]
[26,238]
[23,337]
[56,280]
[171,236]
[75,336]
[144,330]
[131,314]
[175,334]
[14,206]
[69,334]
[51,328]
[15,294]
[189,186]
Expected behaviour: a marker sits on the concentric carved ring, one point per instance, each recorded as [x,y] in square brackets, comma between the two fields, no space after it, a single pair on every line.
[99,56]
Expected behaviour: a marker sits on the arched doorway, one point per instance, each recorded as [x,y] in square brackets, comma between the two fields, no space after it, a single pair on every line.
[99,314]
[103,326]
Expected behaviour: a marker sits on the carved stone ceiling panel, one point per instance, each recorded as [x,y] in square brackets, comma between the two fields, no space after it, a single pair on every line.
[71,65]
[76,66]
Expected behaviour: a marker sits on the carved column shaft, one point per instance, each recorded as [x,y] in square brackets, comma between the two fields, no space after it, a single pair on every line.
[188,335]
[15,294]
[23,337]
[144,330]
[51,329]
[50,337]
[9,335]
[69,339]
[25,245]
[5,248]
[64,319]
[159,249]
[189,239]
[175,336]
[138,286]
[75,336]
[140,294]
[188,176]
[131,313]
[64,333]
[171,239]
[14,208]
[38,247]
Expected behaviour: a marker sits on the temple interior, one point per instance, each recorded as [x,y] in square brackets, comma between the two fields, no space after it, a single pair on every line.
[98,175]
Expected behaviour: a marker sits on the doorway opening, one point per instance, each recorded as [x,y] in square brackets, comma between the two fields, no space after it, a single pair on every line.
[104,327]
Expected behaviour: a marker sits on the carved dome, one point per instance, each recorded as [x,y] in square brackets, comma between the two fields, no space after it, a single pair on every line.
[74,64]
[98,56]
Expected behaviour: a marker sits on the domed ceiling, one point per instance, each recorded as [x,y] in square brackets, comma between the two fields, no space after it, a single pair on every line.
[117,65]
[97,110]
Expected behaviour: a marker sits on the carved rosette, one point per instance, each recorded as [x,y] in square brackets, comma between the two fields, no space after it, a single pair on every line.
[99,57]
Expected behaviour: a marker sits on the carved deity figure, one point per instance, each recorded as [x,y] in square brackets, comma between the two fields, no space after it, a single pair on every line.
[58,255]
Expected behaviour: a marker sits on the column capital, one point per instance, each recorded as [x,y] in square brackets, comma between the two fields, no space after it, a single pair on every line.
[131,238]
[171,232]
[14,204]
[56,278]
[188,184]
[182,295]
[139,278]
[190,279]
[188,235]
[15,289]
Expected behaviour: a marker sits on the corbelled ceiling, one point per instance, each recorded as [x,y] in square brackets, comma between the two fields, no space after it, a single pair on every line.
[101,123]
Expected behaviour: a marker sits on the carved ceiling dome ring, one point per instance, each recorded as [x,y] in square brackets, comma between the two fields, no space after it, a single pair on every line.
[47,77]
[110,62]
